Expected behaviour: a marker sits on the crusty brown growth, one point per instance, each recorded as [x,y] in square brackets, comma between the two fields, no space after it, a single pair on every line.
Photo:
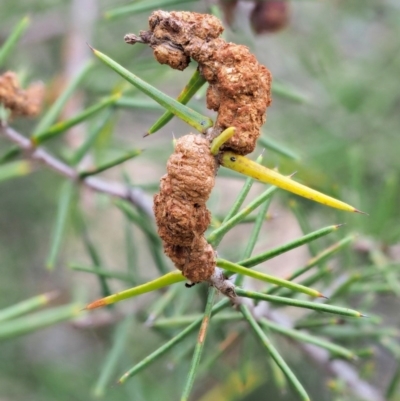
[239,87]
[21,102]
[180,208]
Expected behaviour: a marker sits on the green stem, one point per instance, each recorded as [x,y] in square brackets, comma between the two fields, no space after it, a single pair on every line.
[120,339]
[112,163]
[235,268]
[196,120]
[99,271]
[275,355]
[160,282]
[38,320]
[64,206]
[199,345]
[336,350]
[29,305]
[215,237]
[195,83]
[61,127]
[255,260]
[13,38]
[171,343]
[54,111]
[301,304]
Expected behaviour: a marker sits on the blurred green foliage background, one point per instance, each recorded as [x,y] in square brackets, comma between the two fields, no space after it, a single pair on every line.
[338,63]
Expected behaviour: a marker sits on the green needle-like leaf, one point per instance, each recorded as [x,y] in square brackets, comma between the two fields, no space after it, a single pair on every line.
[381,261]
[131,214]
[262,257]
[355,332]
[50,117]
[178,321]
[9,45]
[137,103]
[15,169]
[320,274]
[276,147]
[303,223]
[147,225]
[62,126]
[162,303]
[216,236]
[171,343]
[336,350]
[120,339]
[274,353]
[92,252]
[38,320]
[254,236]
[196,120]
[345,286]
[255,233]
[316,323]
[235,268]
[131,253]
[10,154]
[91,139]
[112,163]
[301,304]
[141,6]
[199,345]
[99,271]
[284,91]
[394,383]
[26,306]
[195,83]
[160,282]
[64,205]
[321,257]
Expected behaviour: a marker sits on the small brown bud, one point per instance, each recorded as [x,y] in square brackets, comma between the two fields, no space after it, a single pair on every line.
[269,16]
[228,8]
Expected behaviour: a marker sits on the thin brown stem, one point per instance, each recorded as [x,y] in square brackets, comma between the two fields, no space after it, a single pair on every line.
[134,195]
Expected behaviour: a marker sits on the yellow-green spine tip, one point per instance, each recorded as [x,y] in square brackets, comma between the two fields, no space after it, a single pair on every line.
[91,48]
[359,211]
[96,304]
[339,225]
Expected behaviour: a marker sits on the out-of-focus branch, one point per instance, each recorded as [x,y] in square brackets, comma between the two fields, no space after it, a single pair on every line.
[336,368]
[76,54]
[134,195]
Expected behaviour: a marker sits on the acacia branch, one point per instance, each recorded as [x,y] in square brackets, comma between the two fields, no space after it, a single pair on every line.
[134,195]
[337,368]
